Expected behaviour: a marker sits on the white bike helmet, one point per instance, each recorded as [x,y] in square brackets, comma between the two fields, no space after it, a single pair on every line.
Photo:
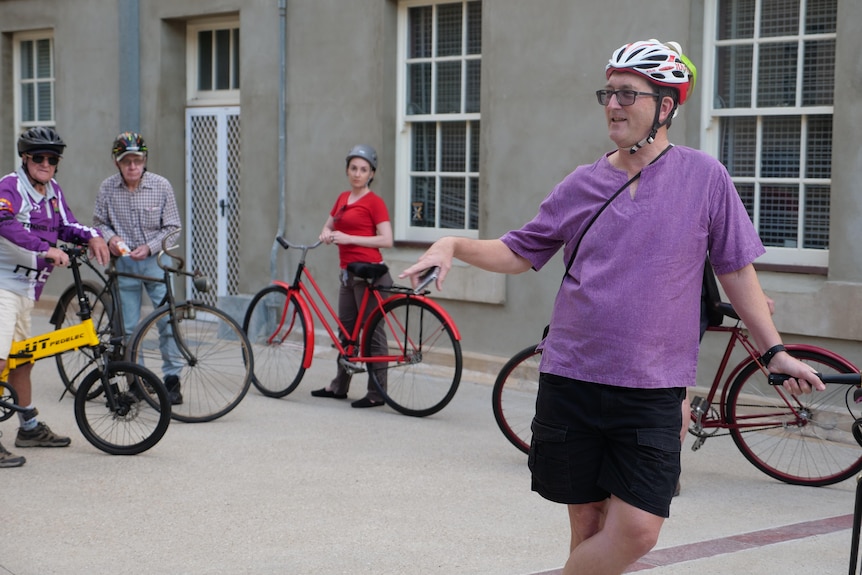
[660,63]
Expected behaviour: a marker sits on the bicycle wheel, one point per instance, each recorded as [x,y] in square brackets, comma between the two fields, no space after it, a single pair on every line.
[216,376]
[142,412]
[513,398]
[8,396]
[74,365]
[276,330]
[425,367]
[804,440]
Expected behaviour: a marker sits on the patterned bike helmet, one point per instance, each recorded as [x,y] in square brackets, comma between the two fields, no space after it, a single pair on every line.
[367,153]
[661,63]
[40,139]
[128,143]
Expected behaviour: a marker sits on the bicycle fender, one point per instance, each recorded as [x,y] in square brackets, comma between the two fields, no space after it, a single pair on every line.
[431,303]
[306,315]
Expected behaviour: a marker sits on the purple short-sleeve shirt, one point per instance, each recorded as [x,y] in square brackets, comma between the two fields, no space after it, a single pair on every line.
[628,312]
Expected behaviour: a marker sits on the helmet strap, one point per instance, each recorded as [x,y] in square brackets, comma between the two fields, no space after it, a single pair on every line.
[656,125]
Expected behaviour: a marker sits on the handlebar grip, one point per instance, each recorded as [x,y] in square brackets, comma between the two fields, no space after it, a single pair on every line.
[282,241]
[840,378]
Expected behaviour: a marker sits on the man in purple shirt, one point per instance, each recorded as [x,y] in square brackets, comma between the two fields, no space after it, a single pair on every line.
[34,215]
[623,339]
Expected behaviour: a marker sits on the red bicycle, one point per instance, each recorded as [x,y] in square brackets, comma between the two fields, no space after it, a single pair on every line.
[423,362]
[811,440]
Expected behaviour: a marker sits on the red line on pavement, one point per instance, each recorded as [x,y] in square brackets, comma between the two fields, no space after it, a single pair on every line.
[734,543]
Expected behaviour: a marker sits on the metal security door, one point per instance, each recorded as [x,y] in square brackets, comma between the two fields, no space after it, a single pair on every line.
[213,198]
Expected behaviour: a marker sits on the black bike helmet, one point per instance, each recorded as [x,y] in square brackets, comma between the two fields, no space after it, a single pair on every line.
[367,153]
[40,139]
[128,143]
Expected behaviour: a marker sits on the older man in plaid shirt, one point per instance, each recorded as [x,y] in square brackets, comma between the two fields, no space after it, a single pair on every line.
[135,211]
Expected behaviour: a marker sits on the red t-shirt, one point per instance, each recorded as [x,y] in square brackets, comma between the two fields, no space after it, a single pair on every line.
[359,219]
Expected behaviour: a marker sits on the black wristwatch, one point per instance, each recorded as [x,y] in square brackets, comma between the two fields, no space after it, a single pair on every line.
[770,353]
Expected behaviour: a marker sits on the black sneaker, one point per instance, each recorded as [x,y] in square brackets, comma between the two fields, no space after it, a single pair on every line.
[172,383]
[8,459]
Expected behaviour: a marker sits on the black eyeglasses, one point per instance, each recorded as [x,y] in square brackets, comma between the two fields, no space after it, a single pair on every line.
[39,158]
[624,97]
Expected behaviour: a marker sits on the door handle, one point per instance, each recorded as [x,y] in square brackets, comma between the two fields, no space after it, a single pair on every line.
[222,204]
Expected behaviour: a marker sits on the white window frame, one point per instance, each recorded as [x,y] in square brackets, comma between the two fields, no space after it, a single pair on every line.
[195,96]
[711,115]
[401,220]
[18,39]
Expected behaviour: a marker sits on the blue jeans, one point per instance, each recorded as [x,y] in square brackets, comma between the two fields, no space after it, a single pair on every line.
[131,298]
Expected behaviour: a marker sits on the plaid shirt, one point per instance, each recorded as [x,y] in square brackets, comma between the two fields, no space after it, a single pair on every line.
[145,216]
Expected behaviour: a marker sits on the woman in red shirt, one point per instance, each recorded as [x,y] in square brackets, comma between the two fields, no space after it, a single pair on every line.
[359,225]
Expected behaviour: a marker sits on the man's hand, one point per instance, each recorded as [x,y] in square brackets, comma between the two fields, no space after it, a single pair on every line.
[803,378]
[57,257]
[438,255]
[98,248]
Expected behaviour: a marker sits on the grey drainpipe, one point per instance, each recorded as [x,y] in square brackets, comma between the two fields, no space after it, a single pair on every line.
[282,136]
[129,24]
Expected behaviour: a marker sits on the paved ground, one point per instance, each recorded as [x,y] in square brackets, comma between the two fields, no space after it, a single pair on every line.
[310,486]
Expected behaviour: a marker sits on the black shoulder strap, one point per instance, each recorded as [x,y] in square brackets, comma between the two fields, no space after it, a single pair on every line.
[605,205]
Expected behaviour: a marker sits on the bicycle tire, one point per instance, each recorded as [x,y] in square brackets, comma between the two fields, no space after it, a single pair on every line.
[513,398]
[428,377]
[277,332]
[140,421]
[76,364]
[8,395]
[219,373]
[811,444]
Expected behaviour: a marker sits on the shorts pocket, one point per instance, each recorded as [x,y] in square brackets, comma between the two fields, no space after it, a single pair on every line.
[549,458]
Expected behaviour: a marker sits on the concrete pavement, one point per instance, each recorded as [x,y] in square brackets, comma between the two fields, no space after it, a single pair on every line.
[303,485]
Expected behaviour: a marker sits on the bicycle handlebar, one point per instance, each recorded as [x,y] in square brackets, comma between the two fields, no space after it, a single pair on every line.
[288,244]
[842,378]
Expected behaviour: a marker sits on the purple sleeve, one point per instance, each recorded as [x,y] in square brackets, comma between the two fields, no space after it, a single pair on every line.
[10,227]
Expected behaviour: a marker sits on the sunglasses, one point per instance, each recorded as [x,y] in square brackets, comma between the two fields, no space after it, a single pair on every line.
[39,158]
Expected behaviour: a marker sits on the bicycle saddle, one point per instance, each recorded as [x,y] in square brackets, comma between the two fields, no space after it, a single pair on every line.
[367,271]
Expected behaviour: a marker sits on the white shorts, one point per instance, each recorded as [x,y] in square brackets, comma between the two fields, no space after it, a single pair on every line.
[15,311]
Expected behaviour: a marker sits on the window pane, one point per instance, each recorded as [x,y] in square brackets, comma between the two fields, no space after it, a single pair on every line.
[816,217]
[419,88]
[746,194]
[222,59]
[424,157]
[776,84]
[45,103]
[779,18]
[235,59]
[422,202]
[782,139]
[474,203]
[818,78]
[820,16]
[43,58]
[819,158]
[735,19]
[452,204]
[28,100]
[739,145]
[733,77]
[419,31]
[474,74]
[454,147]
[474,27]
[448,88]
[205,60]
[449,35]
[779,216]
[474,146]
[27,66]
